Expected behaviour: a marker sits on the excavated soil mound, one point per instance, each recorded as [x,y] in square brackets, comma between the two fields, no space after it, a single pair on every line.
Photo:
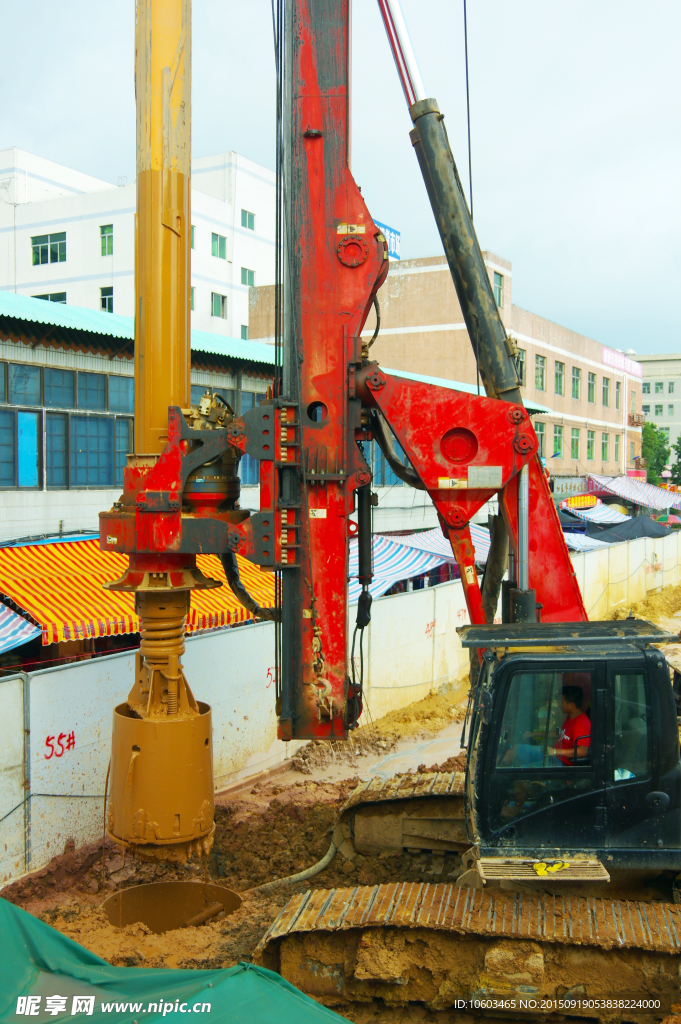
[659,608]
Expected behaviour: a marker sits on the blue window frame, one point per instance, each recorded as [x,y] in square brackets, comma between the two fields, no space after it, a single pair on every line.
[60,389]
[28,454]
[7,448]
[24,384]
[383,474]
[121,394]
[123,431]
[91,451]
[92,391]
[56,449]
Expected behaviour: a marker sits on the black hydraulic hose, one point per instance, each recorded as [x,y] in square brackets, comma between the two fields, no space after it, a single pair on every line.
[231,567]
[383,436]
[378,322]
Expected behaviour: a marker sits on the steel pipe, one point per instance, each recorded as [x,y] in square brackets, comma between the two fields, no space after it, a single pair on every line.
[402,50]
[523,529]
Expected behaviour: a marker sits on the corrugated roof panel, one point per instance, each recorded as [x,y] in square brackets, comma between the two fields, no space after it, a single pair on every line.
[57,314]
[76,318]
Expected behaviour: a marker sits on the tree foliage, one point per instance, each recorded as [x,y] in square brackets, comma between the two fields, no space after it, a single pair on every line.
[655,451]
[676,464]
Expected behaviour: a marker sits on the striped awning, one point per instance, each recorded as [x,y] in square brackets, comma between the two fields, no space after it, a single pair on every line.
[434,542]
[599,514]
[392,562]
[580,542]
[60,587]
[636,491]
[15,630]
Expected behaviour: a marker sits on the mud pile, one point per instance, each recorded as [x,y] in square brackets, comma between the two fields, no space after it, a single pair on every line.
[659,608]
[324,753]
[268,832]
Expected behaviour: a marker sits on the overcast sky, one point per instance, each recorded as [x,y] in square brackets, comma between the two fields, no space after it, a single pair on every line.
[574,118]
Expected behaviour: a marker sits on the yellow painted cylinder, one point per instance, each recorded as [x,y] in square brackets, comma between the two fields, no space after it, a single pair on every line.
[161,794]
[163,222]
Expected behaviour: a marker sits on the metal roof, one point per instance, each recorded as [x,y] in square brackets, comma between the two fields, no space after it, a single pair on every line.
[95,321]
[456,385]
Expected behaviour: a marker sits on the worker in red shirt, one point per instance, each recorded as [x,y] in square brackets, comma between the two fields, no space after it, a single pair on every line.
[575,738]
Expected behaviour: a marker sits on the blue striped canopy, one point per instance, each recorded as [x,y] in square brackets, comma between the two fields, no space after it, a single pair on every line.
[15,630]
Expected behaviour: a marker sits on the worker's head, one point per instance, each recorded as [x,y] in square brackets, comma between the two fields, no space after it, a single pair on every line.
[573,698]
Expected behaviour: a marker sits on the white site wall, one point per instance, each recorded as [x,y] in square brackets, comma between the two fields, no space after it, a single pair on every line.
[410,648]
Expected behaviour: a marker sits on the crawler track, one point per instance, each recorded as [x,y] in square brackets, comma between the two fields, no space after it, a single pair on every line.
[413,942]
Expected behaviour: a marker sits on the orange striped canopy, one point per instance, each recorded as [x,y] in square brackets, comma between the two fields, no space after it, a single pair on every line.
[61,587]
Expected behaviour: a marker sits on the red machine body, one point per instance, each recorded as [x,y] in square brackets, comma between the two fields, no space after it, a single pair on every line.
[465,449]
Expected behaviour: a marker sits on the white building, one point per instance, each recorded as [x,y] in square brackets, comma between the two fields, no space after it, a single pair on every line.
[662,393]
[71,237]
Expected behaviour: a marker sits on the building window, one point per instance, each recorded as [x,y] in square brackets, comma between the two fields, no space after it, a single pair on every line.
[248,220]
[92,391]
[218,246]
[106,237]
[192,242]
[574,443]
[617,447]
[559,378]
[540,373]
[591,388]
[665,431]
[576,383]
[24,384]
[659,387]
[540,431]
[8,459]
[670,387]
[591,444]
[123,441]
[248,277]
[632,402]
[53,297]
[618,393]
[670,410]
[91,451]
[60,387]
[28,451]
[606,391]
[191,298]
[106,299]
[218,305]
[20,434]
[646,408]
[121,394]
[56,449]
[520,366]
[499,289]
[646,388]
[558,440]
[659,410]
[605,447]
[244,332]
[49,248]
[632,451]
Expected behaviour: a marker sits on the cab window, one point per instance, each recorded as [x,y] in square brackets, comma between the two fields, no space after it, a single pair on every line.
[631,747]
[546,721]
[543,756]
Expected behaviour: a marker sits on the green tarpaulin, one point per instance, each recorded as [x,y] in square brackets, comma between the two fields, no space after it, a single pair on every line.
[45,976]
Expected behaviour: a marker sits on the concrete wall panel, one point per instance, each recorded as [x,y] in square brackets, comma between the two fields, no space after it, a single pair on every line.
[12,808]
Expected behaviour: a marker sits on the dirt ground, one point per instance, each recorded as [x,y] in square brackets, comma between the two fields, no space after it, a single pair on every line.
[274,828]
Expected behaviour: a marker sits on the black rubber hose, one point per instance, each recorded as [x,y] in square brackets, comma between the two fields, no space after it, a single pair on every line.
[383,436]
[231,567]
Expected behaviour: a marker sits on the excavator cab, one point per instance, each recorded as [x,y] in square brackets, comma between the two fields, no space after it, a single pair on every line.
[573,744]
